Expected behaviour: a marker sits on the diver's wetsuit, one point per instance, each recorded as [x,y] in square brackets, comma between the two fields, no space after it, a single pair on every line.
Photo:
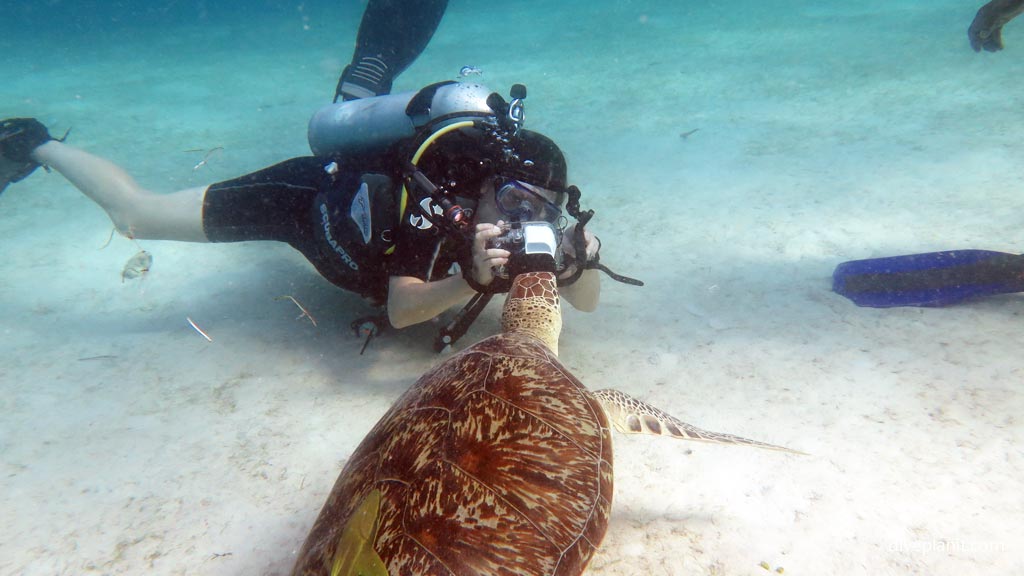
[299,203]
[391,35]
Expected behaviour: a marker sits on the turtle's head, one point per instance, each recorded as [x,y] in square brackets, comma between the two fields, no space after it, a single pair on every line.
[532,308]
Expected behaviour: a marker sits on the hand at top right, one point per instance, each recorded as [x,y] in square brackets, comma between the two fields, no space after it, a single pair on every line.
[986,31]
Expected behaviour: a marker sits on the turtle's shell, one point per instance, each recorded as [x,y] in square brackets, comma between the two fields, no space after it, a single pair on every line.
[498,461]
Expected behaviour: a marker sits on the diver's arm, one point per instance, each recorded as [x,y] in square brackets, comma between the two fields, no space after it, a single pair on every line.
[135,211]
[986,30]
[585,292]
[411,300]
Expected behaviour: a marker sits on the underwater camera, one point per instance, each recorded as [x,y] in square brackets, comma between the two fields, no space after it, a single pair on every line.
[534,248]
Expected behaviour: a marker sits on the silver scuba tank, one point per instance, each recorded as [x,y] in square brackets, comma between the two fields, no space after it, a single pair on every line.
[370,126]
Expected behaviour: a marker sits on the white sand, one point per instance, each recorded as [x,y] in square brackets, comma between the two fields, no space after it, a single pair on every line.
[826,133]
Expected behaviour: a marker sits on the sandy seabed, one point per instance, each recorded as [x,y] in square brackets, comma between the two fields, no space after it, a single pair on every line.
[826,131]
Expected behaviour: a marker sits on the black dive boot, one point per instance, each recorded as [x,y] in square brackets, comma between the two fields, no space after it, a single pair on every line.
[18,138]
[367,78]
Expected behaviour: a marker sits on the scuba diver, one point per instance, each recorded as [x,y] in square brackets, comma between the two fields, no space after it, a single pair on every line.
[401,202]
[986,31]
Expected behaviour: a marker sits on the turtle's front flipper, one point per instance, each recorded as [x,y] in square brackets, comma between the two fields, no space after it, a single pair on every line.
[631,416]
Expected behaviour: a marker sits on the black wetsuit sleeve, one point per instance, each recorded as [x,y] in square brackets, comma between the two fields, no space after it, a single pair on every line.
[415,253]
[391,35]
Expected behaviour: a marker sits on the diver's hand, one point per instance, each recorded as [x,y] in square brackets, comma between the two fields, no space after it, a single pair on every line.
[592,249]
[486,259]
[986,31]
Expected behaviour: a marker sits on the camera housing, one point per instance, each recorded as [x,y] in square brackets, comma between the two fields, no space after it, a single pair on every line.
[533,245]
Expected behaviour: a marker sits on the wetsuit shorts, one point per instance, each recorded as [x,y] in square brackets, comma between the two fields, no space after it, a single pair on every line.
[278,203]
[270,204]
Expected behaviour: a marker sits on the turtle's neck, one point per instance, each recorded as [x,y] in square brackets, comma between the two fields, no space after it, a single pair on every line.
[532,308]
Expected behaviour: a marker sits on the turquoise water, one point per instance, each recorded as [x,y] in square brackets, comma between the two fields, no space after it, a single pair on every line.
[825,131]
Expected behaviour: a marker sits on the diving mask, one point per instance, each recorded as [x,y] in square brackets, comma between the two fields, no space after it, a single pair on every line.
[522,202]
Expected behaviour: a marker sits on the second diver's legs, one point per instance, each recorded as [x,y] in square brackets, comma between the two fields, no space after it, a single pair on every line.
[391,35]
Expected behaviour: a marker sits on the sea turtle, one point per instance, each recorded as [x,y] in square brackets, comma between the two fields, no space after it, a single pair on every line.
[496,462]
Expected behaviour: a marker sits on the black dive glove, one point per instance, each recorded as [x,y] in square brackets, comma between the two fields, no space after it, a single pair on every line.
[18,138]
[986,31]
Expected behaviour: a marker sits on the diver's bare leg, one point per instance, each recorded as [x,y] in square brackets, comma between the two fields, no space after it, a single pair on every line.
[135,211]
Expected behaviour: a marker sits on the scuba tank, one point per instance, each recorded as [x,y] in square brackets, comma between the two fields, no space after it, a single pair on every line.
[367,127]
